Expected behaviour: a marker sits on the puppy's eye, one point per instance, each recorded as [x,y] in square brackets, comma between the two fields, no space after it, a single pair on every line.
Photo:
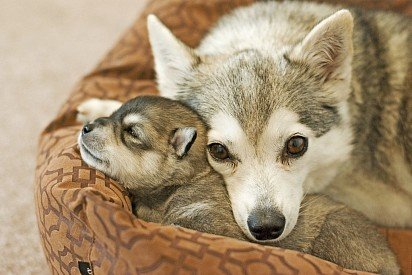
[296,146]
[218,151]
[132,132]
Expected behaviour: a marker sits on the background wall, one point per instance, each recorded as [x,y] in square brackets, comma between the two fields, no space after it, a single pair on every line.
[45,47]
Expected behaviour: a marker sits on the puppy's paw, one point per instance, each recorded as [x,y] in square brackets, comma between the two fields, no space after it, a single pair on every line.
[94,108]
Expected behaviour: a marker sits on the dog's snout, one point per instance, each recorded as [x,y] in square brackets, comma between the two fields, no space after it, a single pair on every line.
[103,121]
[88,128]
[266,224]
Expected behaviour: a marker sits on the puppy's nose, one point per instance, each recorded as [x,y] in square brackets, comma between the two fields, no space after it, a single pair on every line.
[266,224]
[88,128]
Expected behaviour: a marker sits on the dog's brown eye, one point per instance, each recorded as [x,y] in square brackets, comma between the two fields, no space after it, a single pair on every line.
[218,151]
[296,146]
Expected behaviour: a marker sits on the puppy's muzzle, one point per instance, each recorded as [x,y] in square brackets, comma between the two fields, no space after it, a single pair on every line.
[266,224]
[87,128]
[91,126]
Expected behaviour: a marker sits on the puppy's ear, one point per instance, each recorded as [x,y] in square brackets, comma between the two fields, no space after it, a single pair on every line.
[328,49]
[172,57]
[183,139]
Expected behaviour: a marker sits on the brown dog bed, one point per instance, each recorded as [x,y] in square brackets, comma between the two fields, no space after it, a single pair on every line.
[85,218]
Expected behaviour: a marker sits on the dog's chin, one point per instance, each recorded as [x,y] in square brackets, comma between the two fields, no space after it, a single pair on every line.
[267,242]
[91,158]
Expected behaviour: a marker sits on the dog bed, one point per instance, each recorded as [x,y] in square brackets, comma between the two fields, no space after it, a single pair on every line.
[84,217]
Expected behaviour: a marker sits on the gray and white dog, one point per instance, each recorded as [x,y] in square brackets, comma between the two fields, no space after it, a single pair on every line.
[299,98]
[156,148]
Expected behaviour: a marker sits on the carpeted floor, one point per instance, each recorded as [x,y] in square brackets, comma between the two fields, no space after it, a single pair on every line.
[45,47]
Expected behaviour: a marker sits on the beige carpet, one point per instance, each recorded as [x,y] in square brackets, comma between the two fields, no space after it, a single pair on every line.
[45,47]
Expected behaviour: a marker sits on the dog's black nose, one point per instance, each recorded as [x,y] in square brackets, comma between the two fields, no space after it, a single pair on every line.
[266,224]
[87,128]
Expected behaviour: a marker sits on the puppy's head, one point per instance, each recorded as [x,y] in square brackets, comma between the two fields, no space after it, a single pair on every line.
[149,142]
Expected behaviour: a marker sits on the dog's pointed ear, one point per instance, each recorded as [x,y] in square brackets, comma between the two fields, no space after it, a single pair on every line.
[328,47]
[183,139]
[172,57]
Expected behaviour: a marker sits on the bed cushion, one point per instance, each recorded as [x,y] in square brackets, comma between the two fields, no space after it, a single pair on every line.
[84,217]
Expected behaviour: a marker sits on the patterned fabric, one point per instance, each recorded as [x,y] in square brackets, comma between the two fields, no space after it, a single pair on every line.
[84,216]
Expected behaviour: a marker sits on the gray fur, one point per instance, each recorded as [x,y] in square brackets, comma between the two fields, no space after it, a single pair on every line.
[256,90]
[185,191]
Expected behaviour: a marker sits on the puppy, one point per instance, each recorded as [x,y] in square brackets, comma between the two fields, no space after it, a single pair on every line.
[156,148]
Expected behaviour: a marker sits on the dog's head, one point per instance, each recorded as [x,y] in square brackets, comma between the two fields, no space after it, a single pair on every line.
[150,142]
[274,117]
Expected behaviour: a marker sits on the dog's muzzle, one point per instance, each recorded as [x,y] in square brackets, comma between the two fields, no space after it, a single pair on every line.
[87,128]
[103,121]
